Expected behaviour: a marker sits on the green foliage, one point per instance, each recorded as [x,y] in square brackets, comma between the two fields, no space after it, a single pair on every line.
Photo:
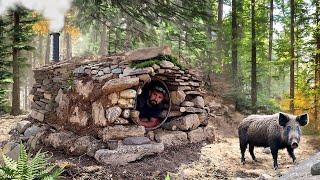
[28,168]
[70,83]
[265,104]
[22,37]
[157,60]
[167,177]
[144,64]
[5,74]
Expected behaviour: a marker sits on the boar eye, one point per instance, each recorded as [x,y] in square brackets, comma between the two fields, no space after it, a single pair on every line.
[287,130]
[298,130]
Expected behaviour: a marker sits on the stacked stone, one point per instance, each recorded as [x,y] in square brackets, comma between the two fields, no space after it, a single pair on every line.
[187,120]
[88,104]
[48,81]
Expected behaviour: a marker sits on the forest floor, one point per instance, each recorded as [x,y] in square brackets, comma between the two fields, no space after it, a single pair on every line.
[219,160]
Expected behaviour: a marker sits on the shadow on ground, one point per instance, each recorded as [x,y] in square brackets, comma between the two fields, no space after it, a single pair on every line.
[150,167]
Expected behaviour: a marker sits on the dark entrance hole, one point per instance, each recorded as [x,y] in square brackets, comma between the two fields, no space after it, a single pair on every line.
[142,100]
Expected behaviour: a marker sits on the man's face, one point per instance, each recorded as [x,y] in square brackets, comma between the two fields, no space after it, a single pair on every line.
[155,98]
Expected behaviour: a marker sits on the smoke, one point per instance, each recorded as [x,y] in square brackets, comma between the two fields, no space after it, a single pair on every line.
[53,10]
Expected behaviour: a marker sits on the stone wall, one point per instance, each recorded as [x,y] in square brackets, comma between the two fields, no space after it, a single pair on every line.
[85,107]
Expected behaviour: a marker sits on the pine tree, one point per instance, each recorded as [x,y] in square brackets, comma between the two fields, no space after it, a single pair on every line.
[5,74]
[253,59]
[21,33]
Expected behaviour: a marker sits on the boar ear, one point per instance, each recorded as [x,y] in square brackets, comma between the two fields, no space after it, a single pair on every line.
[303,119]
[283,119]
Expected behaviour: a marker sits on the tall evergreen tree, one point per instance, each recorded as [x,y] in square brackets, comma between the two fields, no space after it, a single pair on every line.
[270,44]
[317,64]
[234,44]
[5,74]
[21,37]
[292,54]
[253,58]
[220,32]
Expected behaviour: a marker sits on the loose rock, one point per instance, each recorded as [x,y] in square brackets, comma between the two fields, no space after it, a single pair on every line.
[136,140]
[23,125]
[171,138]
[127,153]
[113,113]
[198,102]
[315,169]
[166,64]
[129,93]
[116,85]
[37,115]
[98,114]
[177,97]
[84,89]
[79,117]
[121,132]
[113,98]
[121,121]
[60,140]
[126,113]
[190,121]
[31,131]
[196,135]
[126,103]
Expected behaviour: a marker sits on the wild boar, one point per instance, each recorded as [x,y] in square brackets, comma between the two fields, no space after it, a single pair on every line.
[277,131]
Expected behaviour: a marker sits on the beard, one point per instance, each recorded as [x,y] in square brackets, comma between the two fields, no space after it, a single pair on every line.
[153,102]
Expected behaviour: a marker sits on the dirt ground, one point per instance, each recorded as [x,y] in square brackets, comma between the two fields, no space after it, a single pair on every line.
[220,160]
[7,123]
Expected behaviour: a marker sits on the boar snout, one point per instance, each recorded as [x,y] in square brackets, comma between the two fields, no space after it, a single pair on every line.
[294,144]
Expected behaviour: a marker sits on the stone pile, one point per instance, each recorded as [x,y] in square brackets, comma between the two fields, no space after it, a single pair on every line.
[85,107]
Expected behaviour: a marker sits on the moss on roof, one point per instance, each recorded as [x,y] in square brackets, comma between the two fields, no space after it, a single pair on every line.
[156,60]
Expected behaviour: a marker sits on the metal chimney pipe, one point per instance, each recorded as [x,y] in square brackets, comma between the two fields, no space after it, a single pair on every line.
[55,47]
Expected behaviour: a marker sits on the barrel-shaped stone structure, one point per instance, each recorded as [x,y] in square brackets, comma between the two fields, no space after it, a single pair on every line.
[85,106]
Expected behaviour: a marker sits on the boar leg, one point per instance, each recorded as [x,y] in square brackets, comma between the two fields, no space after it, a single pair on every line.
[251,148]
[291,153]
[243,147]
[274,152]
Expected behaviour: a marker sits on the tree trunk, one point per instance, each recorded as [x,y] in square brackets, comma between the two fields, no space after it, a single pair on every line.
[292,81]
[103,41]
[234,45]
[40,55]
[283,14]
[127,41]
[26,94]
[270,44]
[47,58]
[179,45]
[30,80]
[253,59]
[68,47]
[117,40]
[296,36]
[109,41]
[317,68]
[34,60]
[15,110]
[220,33]
[209,50]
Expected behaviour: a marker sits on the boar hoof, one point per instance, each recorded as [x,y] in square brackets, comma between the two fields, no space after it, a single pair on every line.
[294,160]
[243,161]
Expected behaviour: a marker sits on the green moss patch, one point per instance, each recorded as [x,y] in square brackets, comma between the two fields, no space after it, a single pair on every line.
[156,60]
